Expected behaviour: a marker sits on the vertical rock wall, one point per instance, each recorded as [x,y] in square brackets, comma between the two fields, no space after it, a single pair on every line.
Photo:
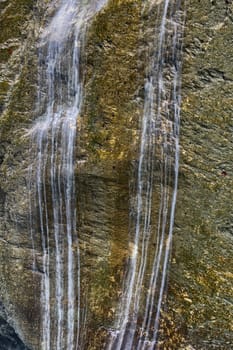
[19,286]
[200,282]
[198,310]
[107,147]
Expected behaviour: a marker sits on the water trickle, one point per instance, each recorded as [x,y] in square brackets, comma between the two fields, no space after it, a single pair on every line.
[137,324]
[53,135]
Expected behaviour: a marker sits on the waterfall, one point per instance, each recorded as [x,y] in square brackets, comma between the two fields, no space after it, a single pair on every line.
[53,137]
[52,180]
[159,145]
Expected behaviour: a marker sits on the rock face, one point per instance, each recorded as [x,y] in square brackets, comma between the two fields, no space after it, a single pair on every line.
[200,283]
[8,338]
[18,75]
[198,309]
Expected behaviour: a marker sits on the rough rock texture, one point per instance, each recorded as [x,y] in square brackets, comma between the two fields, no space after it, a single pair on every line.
[199,305]
[8,338]
[18,285]
[200,284]
[105,153]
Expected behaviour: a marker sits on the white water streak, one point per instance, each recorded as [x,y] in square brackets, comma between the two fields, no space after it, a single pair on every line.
[162,97]
[54,134]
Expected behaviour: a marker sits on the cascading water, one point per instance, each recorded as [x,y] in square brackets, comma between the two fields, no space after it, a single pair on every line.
[53,135]
[138,317]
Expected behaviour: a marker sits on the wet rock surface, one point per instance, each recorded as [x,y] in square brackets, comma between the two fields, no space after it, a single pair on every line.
[198,310]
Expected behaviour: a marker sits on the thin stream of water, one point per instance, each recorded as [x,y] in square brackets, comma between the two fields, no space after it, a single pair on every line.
[159,139]
[54,136]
